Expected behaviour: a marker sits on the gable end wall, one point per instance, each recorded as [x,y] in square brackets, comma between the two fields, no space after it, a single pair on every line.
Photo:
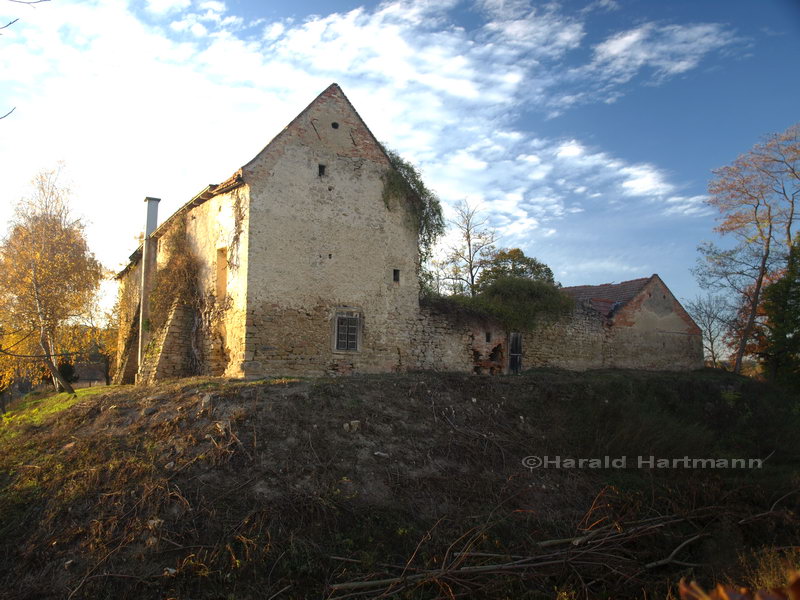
[324,243]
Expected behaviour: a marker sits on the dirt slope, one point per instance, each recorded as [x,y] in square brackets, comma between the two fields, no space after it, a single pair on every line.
[320,488]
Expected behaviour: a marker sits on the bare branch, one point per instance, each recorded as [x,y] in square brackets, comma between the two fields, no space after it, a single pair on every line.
[9,24]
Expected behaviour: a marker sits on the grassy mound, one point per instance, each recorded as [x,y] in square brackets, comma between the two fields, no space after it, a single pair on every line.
[409,484]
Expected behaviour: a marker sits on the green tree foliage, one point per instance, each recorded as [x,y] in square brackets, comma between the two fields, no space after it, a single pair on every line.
[517,303]
[404,180]
[781,349]
[512,262]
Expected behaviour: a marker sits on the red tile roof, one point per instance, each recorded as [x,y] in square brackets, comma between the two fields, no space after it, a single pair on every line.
[604,297]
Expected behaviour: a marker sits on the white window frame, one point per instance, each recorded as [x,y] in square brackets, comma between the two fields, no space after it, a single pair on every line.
[350,338]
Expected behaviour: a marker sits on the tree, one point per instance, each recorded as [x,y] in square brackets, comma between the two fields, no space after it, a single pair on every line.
[519,303]
[473,251]
[48,276]
[780,351]
[405,180]
[712,313]
[512,262]
[756,197]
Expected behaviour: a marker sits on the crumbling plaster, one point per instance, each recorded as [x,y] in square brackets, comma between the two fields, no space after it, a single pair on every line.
[324,242]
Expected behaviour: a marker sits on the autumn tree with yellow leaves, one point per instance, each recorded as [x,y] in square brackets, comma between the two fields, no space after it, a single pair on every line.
[48,277]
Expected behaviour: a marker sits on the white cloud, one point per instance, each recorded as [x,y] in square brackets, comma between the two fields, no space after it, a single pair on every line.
[569,150]
[212,6]
[164,110]
[545,32]
[274,30]
[692,206]
[161,7]
[644,180]
[664,50]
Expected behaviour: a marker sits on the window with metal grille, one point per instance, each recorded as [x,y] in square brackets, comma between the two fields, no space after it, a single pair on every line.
[347,332]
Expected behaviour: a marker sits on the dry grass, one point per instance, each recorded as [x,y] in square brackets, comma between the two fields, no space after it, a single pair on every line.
[206,488]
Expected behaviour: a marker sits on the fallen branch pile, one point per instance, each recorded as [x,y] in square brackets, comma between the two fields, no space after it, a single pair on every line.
[600,556]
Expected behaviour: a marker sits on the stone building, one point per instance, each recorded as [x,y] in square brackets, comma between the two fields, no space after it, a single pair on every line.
[305,266]
[635,324]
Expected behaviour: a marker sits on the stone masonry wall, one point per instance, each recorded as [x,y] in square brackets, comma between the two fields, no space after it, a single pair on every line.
[651,332]
[322,240]
[218,232]
[440,343]
[654,332]
[169,352]
[128,327]
[575,342]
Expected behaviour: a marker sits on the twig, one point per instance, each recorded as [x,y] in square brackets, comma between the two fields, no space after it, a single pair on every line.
[771,510]
[93,569]
[671,557]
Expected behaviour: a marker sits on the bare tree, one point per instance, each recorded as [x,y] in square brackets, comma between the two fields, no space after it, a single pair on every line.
[756,197]
[472,252]
[712,313]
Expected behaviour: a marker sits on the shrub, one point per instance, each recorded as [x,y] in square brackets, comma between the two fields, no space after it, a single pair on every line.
[517,303]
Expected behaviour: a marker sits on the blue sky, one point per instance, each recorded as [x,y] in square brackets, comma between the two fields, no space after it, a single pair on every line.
[587,130]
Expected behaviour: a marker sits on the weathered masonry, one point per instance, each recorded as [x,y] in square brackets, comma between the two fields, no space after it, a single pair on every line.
[635,324]
[298,264]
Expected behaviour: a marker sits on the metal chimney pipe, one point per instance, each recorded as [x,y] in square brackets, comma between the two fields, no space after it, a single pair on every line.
[148,267]
[152,215]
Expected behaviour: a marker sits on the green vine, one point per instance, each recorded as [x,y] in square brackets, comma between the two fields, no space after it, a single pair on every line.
[238,220]
[177,282]
[404,181]
[177,279]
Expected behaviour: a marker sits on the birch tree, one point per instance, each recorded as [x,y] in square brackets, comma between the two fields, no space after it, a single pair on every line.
[48,276]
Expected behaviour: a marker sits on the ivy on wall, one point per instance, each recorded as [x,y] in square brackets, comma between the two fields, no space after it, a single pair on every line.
[404,180]
[177,282]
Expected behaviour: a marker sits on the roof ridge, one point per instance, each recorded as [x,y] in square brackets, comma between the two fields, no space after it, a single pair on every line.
[595,285]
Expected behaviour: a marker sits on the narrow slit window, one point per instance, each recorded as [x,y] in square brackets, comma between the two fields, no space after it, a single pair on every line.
[321,170]
[488,336]
[396,275]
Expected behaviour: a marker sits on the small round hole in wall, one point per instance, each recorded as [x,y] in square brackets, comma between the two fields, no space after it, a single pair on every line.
[335,125]
[330,188]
